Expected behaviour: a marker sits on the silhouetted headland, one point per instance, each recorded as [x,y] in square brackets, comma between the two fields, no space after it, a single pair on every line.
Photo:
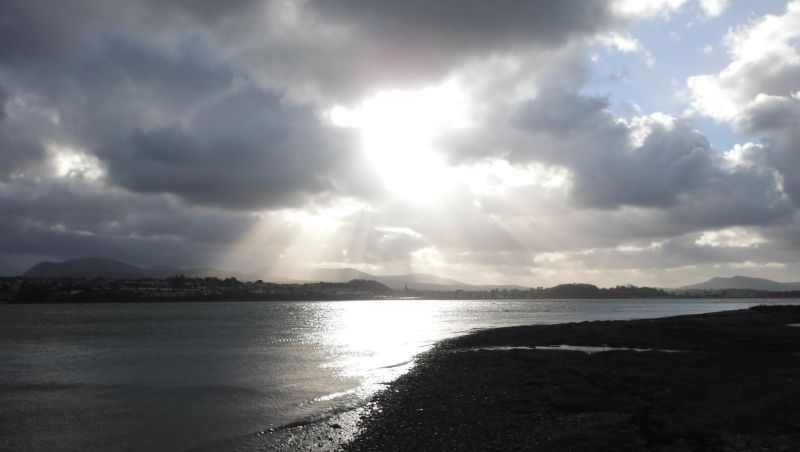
[727,381]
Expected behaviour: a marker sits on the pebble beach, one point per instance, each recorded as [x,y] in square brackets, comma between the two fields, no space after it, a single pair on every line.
[727,381]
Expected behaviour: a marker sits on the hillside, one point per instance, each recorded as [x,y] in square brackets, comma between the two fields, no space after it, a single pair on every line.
[108,268]
[86,267]
[742,282]
[305,275]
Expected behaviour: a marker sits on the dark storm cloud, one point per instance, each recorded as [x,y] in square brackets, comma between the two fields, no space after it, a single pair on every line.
[37,30]
[179,122]
[246,150]
[352,48]
[470,23]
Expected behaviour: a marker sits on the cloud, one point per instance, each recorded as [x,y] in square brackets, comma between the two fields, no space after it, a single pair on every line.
[648,8]
[4,96]
[736,236]
[245,150]
[194,132]
[656,161]
[343,51]
[757,92]
[181,123]
[23,126]
[776,118]
[714,8]
[765,61]
[72,217]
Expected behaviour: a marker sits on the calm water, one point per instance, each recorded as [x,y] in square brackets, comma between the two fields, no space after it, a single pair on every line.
[181,376]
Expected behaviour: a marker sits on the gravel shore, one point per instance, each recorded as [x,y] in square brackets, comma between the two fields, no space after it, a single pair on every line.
[726,381]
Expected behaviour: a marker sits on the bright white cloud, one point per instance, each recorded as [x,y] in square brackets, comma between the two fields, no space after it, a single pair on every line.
[627,44]
[731,237]
[748,154]
[623,42]
[497,177]
[648,8]
[765,61]
[70,163]
[324,218]
[714,8]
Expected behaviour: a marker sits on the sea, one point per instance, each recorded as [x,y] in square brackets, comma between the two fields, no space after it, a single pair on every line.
[238,376]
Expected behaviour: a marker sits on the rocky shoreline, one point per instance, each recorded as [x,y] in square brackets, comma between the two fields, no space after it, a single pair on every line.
[727,381]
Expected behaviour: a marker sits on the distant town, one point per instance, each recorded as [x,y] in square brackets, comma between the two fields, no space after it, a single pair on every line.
[100,289]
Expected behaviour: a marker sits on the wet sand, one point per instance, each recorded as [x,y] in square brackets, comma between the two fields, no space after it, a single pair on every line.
[726,381]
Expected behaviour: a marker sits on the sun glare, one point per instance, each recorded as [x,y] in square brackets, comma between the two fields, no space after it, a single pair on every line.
[70,163]
[398,130]
[329,218]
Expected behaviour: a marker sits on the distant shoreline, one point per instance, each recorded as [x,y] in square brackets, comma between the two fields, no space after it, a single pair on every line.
[105,300]
[729,382]
[101,300]
[38,290]
[69,289]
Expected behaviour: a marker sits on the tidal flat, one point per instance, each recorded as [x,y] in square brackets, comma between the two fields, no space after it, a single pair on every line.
[726,381]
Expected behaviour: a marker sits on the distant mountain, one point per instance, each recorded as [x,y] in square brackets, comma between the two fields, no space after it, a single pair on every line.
[300,274]
[108,268]
[86,267]
[162,269]
[424,281]
[743,282]
[92,267]
[421,278]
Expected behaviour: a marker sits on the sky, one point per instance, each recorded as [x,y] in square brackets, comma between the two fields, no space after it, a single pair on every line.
[645,142]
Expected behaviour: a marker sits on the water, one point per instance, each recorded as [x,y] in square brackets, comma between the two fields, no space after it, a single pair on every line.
[186,376]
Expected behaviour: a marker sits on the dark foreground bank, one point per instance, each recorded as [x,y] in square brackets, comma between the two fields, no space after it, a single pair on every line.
[726,381]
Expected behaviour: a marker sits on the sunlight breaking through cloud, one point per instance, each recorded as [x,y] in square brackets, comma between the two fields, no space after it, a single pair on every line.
[69,163]
[524,142]
[398,131]
[736,237]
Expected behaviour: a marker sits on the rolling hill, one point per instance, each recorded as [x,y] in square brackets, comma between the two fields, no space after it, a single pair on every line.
[86,267]
[108,268]
[743,282]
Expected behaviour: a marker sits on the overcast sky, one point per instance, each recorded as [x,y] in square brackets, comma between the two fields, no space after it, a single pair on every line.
[651,142]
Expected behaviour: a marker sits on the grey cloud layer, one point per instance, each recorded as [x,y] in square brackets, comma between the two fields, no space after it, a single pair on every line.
[415,43]
[777,119]
[674,167]
[75,219]
[121,83]
[199,112]
[244,151]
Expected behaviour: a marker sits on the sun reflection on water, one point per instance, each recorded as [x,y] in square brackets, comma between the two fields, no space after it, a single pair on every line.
[377,340]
